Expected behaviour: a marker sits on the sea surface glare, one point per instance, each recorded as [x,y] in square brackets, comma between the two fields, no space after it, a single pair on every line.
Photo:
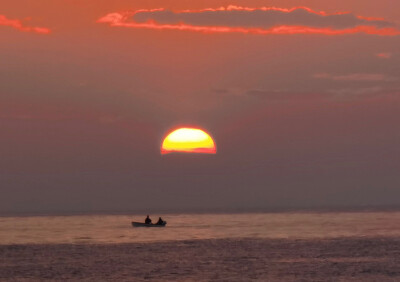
[308,246]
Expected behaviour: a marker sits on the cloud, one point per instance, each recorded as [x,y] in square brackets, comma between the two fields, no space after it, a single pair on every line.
[18,25]
[305,95]
[356,77]
[348,92]
[285,95]
[264,20]
[271,95]
[386,55]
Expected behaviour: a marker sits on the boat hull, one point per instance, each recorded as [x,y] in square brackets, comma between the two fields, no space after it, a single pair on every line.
[141,224]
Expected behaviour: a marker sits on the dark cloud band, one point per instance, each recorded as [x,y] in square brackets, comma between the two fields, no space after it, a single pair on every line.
[257,18]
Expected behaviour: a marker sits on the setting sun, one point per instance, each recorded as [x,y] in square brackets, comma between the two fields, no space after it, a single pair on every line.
[188,140]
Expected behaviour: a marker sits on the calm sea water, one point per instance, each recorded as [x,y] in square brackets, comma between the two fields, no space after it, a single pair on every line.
[103,229]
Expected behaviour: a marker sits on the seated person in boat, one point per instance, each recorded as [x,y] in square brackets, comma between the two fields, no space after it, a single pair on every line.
[147,220]
[160,221]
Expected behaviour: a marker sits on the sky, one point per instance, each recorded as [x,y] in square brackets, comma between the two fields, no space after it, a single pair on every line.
[302,99]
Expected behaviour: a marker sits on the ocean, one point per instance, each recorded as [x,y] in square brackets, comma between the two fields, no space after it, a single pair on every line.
[288,246]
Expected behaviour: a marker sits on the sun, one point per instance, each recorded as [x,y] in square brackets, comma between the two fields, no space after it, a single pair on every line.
[188,140]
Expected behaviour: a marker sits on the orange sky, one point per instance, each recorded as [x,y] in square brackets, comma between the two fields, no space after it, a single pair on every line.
[84,105]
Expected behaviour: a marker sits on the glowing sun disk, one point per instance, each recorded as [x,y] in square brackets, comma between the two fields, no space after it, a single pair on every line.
[188,140]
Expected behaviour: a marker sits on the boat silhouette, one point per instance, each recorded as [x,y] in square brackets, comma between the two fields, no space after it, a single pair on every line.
[141,224]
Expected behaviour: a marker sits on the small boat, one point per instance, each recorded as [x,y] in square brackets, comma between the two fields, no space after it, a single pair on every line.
[141,224]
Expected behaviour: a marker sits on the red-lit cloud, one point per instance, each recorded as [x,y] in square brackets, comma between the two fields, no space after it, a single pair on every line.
[386,55]
[18,25]
[264,20]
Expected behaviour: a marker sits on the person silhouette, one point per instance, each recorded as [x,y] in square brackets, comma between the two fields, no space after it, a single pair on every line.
[160,221]
[147,220]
